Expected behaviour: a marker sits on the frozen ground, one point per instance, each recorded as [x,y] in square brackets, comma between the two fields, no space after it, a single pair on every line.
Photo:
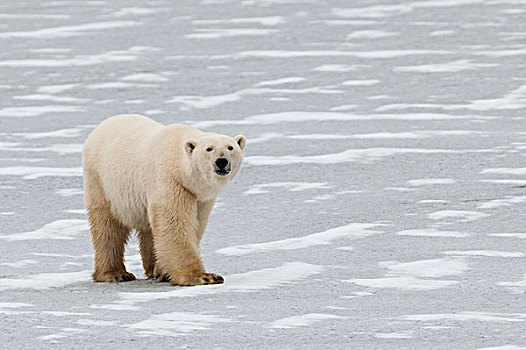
[382,200]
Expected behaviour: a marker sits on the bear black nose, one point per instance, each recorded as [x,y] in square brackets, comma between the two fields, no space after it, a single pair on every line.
[221,163]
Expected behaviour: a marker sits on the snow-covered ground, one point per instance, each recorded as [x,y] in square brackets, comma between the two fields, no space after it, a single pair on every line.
[381,204]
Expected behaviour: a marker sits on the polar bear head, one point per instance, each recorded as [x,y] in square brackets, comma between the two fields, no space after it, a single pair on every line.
[215,159]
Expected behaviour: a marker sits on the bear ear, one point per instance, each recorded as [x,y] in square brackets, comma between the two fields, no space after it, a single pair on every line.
[241,141]
[189,146]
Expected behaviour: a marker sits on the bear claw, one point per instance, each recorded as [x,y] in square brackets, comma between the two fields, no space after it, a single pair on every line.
[162,277]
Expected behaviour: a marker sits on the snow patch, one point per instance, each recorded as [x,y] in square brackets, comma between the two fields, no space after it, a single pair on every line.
[60,229]
[459,215]
[298,117]
[35,111]
[504,347]
[505,182]
[20,264]
[350,231]
[281,81]
[454,66]
[338,68]
[45,280]
[266,21]
[441,32]
[175,324]
[421,134]
[248,282]
[145,77]
[506,171]
[395,335]
[69,192]
[343,108]
[384,54]
[416,275]
[509,235]
[487,253]
[367,155]
[496,203]
[365,82]
[134,11]
[467,316]
[55,89]
[100,323]
[371,34]
[382,11]
[69,31]
[31,173]
[291,186]
[66,133]
[432,232]
[425,182]
[302,320]
[76,61]
[218,33]
[518,287]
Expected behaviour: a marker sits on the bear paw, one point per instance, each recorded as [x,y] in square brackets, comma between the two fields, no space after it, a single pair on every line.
[113,276]
[206,278]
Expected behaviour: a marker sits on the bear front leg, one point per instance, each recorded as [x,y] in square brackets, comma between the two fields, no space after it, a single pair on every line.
[203,213]
[174,223]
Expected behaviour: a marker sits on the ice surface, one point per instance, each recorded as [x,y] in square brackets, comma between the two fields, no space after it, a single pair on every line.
[407,116]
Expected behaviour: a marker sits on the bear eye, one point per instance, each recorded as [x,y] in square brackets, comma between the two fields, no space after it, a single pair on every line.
[230,148]
[209,149]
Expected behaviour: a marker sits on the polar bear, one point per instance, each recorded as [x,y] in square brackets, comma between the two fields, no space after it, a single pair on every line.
[161,181]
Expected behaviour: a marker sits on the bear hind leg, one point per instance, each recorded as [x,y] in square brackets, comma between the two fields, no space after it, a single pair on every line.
[109,240]
[109,236]
[147,252]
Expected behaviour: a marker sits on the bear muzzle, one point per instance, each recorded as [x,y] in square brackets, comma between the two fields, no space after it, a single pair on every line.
[222,167]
